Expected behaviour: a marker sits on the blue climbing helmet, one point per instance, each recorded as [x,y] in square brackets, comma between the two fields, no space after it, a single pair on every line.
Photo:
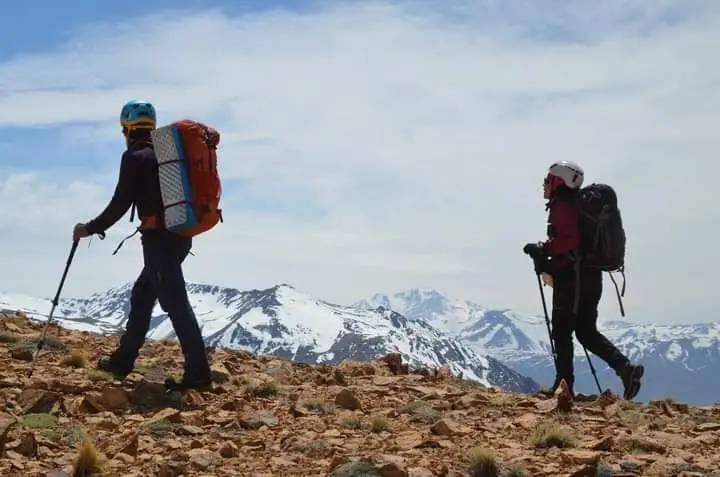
[138,114]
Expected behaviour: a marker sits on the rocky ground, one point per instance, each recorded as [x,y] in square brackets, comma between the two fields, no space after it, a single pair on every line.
[271,417]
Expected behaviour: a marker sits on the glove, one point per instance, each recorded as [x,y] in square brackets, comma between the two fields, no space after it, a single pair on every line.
[541,265]
[535,250]
[80,231]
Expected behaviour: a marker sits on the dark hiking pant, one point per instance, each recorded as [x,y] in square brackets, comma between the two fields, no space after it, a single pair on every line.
[584,323]
[162,280]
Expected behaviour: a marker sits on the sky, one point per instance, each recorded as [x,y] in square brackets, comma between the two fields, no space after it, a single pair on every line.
[372,146]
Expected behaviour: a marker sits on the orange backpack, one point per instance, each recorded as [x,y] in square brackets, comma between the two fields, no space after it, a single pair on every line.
[186,153]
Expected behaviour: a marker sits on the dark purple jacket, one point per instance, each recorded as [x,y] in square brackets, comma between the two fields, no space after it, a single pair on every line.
[137,184]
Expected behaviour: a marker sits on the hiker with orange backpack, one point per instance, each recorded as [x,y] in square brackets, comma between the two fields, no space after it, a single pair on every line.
[585,238]
[168,223]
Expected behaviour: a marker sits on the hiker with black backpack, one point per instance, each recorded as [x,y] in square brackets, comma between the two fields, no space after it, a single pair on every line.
[585,238]
[163,251]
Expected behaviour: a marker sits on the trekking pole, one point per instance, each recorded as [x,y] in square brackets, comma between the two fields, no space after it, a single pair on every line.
[592,370]
[547,320]
[55,304]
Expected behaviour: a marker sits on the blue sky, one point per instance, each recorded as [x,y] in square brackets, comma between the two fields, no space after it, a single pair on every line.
[41,25]
[371,146]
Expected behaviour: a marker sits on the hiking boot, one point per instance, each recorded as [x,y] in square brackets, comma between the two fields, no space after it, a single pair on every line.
[631,375]
[199,384]
[106,364]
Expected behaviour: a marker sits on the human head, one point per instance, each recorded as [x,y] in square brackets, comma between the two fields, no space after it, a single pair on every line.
[137,116]
[563,173]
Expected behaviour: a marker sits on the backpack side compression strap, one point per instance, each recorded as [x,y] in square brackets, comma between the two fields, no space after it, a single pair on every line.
[617,290]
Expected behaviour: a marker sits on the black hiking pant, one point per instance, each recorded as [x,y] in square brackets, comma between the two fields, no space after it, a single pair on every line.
[162,280]
[583,323]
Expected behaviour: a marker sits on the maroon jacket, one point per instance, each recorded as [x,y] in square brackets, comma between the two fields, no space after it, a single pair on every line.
[563,226]
[137,184]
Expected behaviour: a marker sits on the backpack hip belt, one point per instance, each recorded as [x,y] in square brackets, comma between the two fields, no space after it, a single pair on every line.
[151,222]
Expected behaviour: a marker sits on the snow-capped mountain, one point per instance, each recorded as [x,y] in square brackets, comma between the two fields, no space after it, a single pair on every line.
[431,306]
[681,361]
[285,322]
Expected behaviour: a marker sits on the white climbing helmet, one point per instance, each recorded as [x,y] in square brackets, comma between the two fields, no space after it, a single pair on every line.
[570,173]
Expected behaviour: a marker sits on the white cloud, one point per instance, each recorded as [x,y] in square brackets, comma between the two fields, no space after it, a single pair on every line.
[399,145]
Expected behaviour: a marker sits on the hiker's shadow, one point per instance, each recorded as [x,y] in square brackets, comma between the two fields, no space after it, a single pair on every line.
[147,396]
[148,392]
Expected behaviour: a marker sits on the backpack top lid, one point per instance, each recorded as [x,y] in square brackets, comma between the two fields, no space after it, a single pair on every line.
[599,194]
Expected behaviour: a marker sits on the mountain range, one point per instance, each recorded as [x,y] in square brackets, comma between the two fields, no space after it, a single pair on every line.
[430,329]
[285,322]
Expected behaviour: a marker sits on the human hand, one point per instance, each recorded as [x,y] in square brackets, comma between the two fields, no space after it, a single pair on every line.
[80,231]
[535,250]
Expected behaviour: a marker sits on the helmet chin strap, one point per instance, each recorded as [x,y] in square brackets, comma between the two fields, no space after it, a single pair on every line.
[126,135]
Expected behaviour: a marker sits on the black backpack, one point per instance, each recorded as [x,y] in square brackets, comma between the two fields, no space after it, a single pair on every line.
[602,236]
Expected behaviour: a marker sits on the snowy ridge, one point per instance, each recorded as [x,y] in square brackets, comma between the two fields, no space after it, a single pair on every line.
[72,316]
[430,306]
[285,322]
